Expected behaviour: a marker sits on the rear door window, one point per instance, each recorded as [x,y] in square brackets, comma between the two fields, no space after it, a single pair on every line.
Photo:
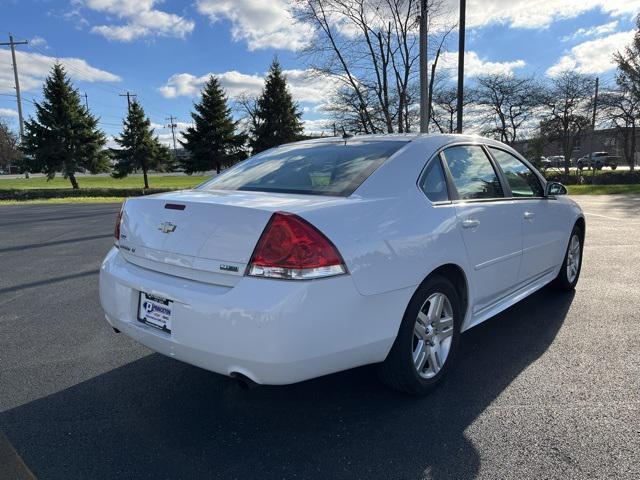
[325,168]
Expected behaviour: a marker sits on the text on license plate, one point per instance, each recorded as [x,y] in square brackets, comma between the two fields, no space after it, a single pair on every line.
[155,311]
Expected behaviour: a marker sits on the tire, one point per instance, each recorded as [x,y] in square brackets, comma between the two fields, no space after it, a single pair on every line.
[566,281]
[580,166]
[399,371]
[614,166]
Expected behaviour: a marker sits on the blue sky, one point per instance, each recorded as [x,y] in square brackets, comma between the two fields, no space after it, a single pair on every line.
[164,50]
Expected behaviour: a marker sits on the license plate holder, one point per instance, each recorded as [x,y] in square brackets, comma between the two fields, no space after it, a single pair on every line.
[155,311]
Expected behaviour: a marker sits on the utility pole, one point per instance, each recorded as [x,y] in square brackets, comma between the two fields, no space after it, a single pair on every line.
[461,34]
[129,95]
[172,125]
[593,124]
[13,44]
[424,80]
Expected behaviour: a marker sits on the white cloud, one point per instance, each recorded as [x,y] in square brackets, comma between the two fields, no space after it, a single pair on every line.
[319,126]
[261,23]
[304,86]
[38,42]
[595,31]
[593,56]
[537,14]
[8,112]
[141,19]
[34,67]
[474,65]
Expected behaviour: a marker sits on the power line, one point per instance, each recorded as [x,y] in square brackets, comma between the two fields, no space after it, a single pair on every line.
[13,44]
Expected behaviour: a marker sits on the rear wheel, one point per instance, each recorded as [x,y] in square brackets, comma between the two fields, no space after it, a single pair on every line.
[572,265]
[427,340]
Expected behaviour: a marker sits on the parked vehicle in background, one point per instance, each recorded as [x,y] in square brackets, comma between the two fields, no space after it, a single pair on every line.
[323,255]
[554,161]
[597,160]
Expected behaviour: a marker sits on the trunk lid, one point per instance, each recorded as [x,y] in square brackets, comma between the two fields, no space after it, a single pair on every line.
[203,235]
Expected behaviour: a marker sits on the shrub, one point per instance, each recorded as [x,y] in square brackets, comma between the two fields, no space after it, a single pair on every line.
[34,194]
[600,178]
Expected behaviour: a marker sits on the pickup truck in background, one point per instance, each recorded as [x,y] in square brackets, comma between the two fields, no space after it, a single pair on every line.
[597,161]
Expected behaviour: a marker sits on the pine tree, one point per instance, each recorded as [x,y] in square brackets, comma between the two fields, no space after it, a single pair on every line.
[277,118]
[212,142]
[140,148]
[64,136]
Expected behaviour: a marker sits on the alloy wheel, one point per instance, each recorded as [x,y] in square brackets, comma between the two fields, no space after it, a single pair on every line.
[573,258]
[432,335]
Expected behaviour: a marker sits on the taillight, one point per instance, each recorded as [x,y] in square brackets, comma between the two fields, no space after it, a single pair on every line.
[293,249]
[118,221]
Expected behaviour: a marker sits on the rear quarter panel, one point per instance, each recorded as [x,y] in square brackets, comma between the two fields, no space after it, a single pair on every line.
[391,236]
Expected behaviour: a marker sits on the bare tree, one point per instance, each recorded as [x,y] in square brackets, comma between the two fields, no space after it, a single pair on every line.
[371,48]
[625,106]
[621,109]
[443,112]
[567,100]
[628,76]
[506,104]
[9,152]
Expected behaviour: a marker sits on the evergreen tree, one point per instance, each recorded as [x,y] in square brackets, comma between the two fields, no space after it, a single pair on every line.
[64,136]
[140,148]
[277,118]
[212,142]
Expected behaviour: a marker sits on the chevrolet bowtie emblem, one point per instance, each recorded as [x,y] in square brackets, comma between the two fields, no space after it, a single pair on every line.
[167,227]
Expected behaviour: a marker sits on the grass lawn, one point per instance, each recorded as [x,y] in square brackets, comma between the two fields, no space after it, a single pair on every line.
[602,189]
[104,181]
[53,201]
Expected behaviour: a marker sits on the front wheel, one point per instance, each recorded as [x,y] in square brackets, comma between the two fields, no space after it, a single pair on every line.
[427,340]
[572,265]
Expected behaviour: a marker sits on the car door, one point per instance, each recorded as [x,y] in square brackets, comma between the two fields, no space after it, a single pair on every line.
[491,225]
[542,222]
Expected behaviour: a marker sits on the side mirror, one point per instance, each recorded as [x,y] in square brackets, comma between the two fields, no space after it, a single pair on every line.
[555,188]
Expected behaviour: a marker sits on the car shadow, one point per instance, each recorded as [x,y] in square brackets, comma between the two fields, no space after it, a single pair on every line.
[158,418]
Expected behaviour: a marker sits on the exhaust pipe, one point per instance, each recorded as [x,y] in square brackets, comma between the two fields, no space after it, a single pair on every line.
[244,382]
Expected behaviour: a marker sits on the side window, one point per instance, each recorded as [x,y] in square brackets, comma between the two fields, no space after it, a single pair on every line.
[433,183]
[523,182]
[472,173]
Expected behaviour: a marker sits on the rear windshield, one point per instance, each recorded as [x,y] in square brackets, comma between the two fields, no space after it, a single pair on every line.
[331,168]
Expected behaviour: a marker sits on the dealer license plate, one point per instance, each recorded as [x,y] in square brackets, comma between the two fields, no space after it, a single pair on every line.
[155,311]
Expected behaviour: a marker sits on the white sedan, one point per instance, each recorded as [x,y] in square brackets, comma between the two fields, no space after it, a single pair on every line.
[323,255]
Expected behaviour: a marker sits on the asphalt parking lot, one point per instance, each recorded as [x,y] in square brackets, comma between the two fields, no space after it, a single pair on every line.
[548,389]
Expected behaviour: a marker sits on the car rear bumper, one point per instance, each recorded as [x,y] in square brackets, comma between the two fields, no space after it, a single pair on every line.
[272,331]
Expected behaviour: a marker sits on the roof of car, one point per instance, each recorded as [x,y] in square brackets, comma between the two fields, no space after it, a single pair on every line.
[412,137]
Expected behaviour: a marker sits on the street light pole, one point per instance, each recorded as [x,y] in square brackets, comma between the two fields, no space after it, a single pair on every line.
[461,34]
[424,76]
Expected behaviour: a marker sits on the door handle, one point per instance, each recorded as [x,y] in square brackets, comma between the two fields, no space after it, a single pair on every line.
[470,223]
[529,215]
